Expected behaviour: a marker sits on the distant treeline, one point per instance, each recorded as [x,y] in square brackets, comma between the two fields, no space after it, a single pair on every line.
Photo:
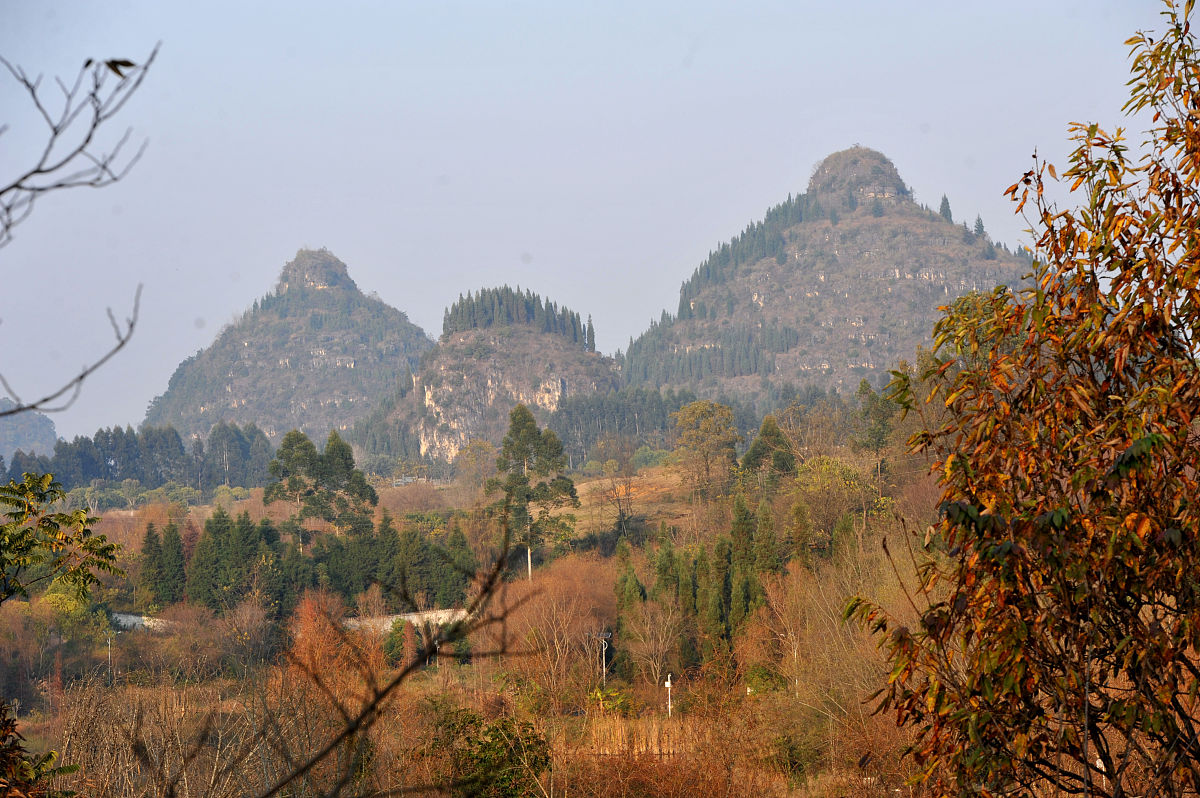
[495,307]
[657,358]
[643,416]
[759,240]
[639,414]
[155,456]
[381,437]
[232,558]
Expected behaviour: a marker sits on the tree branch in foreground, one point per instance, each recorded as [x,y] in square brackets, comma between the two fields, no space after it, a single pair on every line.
[71,157]
[69,391]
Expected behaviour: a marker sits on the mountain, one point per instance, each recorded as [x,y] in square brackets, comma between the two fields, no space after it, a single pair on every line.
[315,354]
[30,431]
[499,347]
[833,285]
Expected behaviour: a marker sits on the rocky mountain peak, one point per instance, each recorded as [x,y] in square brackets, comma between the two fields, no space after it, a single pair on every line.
[858,170]
[315,269]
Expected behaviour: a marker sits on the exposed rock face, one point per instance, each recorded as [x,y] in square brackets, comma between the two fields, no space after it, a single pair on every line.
[471,381]
[315,355]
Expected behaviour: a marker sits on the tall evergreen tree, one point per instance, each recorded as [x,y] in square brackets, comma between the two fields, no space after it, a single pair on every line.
[770,450]
[461,564]
[629,589]
[203,584]
[944,210]
[766,546]
[174,575]
[742,535]
[531,466]
[151,580]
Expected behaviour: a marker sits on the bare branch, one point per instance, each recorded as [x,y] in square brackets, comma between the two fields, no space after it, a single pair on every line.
[69,392]
[71,157]
[477,616]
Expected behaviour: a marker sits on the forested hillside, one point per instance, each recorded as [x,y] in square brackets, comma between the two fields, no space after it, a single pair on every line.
[501,307]
[316,354]
[834,285]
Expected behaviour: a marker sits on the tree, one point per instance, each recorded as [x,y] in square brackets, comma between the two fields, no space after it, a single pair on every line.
[706,444]
[1058,648]
[325,486]
[979,231]
[873,425]
[294,471]
[652,630]
[58,547]
[151,580]
[944,210]
[530,469]
[770,451]
[342,494]
[206,584]
[474,465]
[38,545]
[498,759]
[172,565]
[616,464]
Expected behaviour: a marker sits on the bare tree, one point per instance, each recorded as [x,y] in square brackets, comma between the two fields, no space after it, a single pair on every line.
[74,156]
[652,637]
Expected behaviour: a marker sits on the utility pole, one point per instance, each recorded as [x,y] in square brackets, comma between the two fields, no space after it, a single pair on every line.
[109,636]
[604,638]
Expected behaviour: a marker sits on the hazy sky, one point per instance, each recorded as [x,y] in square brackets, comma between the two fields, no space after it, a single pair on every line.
[593,152]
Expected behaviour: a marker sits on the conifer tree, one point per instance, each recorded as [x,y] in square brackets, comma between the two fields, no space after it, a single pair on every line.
[459,564]
[530,469]
[666,571]
[770,450]
[741,598]
[766,547]
[722,582]
[742,535]
[394,651]
[204,571]
[151,580]
[944,210]
[174,575]
[630,590]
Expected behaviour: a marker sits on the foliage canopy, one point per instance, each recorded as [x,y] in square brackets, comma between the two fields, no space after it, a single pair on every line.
[38,545]
[1059,607]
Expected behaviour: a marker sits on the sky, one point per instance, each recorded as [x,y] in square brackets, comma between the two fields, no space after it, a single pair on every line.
[594,152]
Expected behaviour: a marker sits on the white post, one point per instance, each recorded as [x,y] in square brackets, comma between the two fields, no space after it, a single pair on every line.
[668,685]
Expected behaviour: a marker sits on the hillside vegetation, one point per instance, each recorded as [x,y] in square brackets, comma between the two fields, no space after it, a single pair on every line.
[834,285]
[315,354]
[499,348]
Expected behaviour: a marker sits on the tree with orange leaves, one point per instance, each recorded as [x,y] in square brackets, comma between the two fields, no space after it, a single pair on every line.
[1058,641]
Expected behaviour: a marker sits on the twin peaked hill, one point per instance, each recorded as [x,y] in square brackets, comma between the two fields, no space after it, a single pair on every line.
[834,285]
